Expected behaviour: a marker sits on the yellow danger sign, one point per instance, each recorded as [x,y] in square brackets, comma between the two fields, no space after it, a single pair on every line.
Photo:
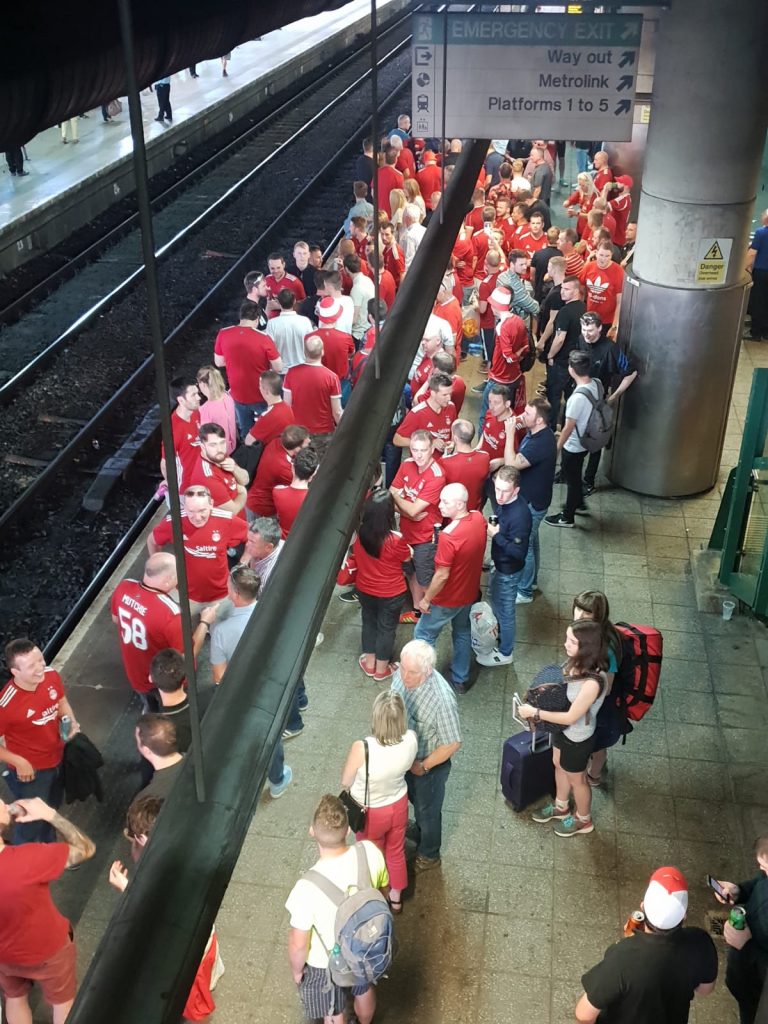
[712,260]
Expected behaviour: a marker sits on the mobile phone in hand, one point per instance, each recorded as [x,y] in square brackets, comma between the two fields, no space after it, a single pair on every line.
[721,892]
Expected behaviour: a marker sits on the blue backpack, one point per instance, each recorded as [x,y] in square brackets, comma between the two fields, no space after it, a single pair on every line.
[363,927]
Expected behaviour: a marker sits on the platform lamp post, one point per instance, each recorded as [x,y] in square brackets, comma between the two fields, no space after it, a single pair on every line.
[161,377]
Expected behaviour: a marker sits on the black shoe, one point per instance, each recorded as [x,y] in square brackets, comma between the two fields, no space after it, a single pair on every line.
[582,510]
[159,120]
[22,174]
[478,389]
[462,688]
[559,520]
[588,489]
[348,597]
[558,477]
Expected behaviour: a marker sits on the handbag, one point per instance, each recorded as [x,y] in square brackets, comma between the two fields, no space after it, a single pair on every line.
[548,692]
[355,813]
[114,107]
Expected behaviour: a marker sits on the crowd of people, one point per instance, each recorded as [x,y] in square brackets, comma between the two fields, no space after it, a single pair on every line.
[445,521]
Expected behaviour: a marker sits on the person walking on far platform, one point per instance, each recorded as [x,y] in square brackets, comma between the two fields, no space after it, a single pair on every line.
[163,92]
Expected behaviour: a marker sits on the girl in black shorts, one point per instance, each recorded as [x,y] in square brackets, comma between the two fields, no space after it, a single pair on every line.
[585,680]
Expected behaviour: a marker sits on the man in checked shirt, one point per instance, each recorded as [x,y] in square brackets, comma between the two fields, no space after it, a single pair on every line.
[433,715]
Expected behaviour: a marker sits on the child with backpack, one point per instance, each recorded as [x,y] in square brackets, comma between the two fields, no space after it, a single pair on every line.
[340,941]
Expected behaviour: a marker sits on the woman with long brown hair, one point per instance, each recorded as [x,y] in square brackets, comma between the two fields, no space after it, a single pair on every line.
[583,675]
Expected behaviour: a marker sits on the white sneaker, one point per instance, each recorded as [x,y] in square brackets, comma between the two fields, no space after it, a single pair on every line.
[523,599]
[494,658]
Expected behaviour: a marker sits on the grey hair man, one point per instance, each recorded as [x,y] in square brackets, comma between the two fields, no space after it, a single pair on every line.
[433,715]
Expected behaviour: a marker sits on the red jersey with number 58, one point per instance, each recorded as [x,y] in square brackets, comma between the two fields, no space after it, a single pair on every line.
[148,621]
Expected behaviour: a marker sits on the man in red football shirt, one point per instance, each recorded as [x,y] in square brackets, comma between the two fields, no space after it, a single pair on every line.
[32,705]
[487,320]
[620,205]
[275,468]
[185,424]
[505,223]
[245,352]
[386,178]
[455,584]
[444,362]
[430,344]
[429,178]
[435,415]
[218,471]
[498,421]
[405,162]
[467,465]
[604,280]
[448,308]
[314,394]
[276,280]
[603,172]
[36,944]
[276,416]
[474,218]
[148,621]
[511,344]
[207,532]
[566,243]
[537,238]
[393,257]
[288,498]
[416,493]
[338,346]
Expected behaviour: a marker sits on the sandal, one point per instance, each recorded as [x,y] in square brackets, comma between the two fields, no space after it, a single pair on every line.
[361,663]
[409,617]
[396,906]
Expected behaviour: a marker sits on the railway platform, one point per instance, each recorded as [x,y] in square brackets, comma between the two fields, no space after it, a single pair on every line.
[502,933]
[70,185]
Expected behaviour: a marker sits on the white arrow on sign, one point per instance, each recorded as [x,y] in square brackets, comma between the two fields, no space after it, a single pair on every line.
[630,32]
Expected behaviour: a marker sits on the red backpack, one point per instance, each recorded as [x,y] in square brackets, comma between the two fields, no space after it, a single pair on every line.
[637,678]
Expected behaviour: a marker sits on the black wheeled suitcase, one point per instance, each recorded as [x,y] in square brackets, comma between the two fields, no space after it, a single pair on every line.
[527,771]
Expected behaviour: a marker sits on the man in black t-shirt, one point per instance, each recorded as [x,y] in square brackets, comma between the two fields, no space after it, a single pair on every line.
[551,305]
[652,977]
[167,674]
[540,263]
[611,367]
[567,329]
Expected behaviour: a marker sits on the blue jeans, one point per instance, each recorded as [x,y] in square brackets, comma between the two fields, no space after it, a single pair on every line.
[484,406]
[277,768]
[582,159]
[295,721]
[503,594]
[530,573]
[390,456]
[489,343]
[245,414]
[346,391]
[47,785]
[426,793]
[430,626]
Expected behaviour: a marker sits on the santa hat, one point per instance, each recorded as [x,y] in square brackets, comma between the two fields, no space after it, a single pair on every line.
[329,310]
[499,299]
[666,898]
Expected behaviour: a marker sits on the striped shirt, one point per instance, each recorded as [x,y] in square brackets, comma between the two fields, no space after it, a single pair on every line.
[433,712]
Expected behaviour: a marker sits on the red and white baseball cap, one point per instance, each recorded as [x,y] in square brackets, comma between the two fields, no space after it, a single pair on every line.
[329,310]
[624,179]
[666,899]
[499,299]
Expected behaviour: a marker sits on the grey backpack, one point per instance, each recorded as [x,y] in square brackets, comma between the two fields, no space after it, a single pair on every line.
[599,428]
[363,927]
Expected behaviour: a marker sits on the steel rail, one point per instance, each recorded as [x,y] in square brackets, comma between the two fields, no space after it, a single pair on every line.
[12,311]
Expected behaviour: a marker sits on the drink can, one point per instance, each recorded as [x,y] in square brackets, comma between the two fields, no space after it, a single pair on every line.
[65,727]
[493,520]
[635,922]
[436,532]
[738,918]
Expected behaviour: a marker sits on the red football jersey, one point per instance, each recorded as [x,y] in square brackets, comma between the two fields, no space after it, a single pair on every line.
[220,483]
[33,929]
[184,436]
[287,501]
[338,349]
[272,422]
[511,346]
[474,220]
[311,389]
[148,621]
[487,285]
[29,721]
[463,253]
[423,417]
[470,469]
[205,551]
[430,179]
[382,576]
[387,288]
[602,177]
[247,354]
[494,436]
[450,311]
[386,178]
[274,468]
[394,262]
[416,486]
[275,287]
[621,206]
[406,163]
[461,549]
[603,288]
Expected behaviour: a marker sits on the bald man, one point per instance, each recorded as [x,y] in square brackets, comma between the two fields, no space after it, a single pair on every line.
[456,583]
[148,621]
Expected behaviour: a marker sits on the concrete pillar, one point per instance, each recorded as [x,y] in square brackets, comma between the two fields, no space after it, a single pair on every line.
[681,324]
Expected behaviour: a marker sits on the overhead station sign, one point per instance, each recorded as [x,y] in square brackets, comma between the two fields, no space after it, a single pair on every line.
[525,75]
